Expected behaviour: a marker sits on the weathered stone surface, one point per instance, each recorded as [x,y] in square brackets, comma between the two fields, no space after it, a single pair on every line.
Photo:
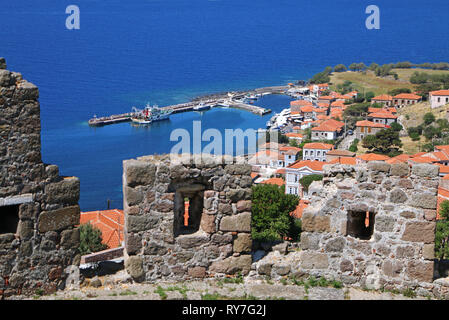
[398,196]
[141,223]
[233,265]
[66,191]
[237,223]
[281,269]
[428,251]
[193,240]
[133,243]
[313,260]
[430,215]
[380,166]
[419,232]
[282,248]
[399,169]
[423,200]
[309,241]
[408,214]
[392,268]
[133,196]
[420,270]
[139,173]
[208,223]
[25,229]
[335,245]
[405,252]
[70,239]
[238,169]
[134,267]
[243,243]
[243,205]
[425,170]
[197,272]
[346,266]
[59,219]
[264,268]
[317,223]
[384,224]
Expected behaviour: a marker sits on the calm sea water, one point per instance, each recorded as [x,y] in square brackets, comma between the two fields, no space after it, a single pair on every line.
[168,51]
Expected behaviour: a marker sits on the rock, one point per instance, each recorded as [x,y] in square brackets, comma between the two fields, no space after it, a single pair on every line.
[392,268]
[243,205]
[70,239]
[425,170]
[384,224]
[282,248]
[346,265]
[134,267]
[2,63]
[66,191]
[398,196]
[5,77]
[208,223]
[193,240]
[313,260]
[141,223]
[238,169]
[264,268]
[335,245]
[25,229]
[233,265]
[139,173]
[428,251]
[419,232]
[59,219]
[408,214]
[237,223]
[243,243]
[379,166]
[423,200]
[400,169]
[421,271]
[133,243]
[133,196]
[317,223]
[95,282]
[281,269]
[197,272]
[309,241]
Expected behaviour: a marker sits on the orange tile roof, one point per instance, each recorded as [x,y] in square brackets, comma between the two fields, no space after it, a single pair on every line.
[441,156]
[280,171]
[399,159]
[110,222]
[422,159]
[318,145]
[444,148]
[373,157]
[323,105]
[294,135]
[300,103]
[443,168]
[289,148]
[337,104]
[366,123]
[446,177]
[383,97]
[277,181]
[409,96]
[329,125]
[440,93]
[344,160]
[340,152]
[297,213]
[307,109]
[314,165]
[326,98]
[383,115]
[418,154]
[254,175]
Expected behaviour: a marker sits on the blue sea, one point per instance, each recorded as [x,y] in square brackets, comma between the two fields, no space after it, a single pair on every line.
[127,53]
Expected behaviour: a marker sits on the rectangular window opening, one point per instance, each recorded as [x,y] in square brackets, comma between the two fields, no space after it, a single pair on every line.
[9,219]
[360,224]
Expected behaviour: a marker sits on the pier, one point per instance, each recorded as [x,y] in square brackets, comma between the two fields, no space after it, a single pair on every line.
[231,100]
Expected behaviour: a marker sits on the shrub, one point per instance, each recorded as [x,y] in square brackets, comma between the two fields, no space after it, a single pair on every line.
[90,239]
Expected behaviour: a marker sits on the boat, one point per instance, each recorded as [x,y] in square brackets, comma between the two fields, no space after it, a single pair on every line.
[150,114]
[202,107]
[251,97]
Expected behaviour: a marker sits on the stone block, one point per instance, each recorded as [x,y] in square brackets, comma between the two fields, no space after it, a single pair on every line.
[243,205]
[132,196]
[232,265]
[423,200]
[59,219]
[238,169]
[313,260]
[134,267]
[420,270]
[379,166]
[419,232]
[192,240]
[141,223]
[139,173]
[66,191]
[70,239]
[197,272]
[315,223]
[400,169]
[208,223]
[243,243]
[237,223]
[425,170]
[392,268]
[398,196]
[335,245]
[133,243]
[428,251]
[384,224]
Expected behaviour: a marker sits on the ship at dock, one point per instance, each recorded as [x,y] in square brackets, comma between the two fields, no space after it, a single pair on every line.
[150,114]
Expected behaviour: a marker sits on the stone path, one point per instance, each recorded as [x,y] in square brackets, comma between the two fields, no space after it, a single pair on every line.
[213,289]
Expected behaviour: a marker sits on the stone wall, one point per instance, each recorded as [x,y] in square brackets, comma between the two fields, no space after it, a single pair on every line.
[371,225]
[217,239]
[38,208]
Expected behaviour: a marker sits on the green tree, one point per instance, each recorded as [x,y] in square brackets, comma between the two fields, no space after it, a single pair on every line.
[442,232]
[306,181]
[90,239]
[328,70]
[396,126]
[373,66]
[369,95]
[321,77]
[384,141]
[428,118]
[419,77]
[271,207]
[340,68]
[397,91]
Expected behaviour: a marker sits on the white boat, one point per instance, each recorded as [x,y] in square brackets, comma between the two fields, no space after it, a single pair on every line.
[202,107]
[141,121]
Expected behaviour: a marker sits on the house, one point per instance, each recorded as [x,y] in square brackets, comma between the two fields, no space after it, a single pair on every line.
[327,130]
[382,117]
[295,106]
[405,99]
[365,128]
[296,171]
[344,160]
[316,151]
[111,223]
[391,110]
[290,154]
[294,136]
[367,157]
[276,181]
[337,105]
[326,99]
[267,159]
[384,99]
[438,98]
[307,112]
[337,154]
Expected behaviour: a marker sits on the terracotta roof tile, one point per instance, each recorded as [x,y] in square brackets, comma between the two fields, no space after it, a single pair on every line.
[110,223]
[318,145]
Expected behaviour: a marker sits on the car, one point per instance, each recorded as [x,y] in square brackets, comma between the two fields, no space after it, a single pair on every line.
[350,132]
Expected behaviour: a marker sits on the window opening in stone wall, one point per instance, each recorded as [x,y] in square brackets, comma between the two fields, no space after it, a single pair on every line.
[360,224]
[188,210]
[9,219]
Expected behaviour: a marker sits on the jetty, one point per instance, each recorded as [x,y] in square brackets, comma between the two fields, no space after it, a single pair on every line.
[227,100]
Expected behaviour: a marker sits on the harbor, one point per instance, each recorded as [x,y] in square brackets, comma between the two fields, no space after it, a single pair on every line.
[243,100]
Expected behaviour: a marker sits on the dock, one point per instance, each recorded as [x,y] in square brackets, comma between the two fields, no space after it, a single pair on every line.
[231,100]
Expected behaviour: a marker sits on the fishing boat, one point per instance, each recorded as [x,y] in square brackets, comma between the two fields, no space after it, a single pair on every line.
[150,114]
[159,114]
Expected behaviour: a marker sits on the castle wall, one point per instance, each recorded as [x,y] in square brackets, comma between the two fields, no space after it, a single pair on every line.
[38,208]
[217,239]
